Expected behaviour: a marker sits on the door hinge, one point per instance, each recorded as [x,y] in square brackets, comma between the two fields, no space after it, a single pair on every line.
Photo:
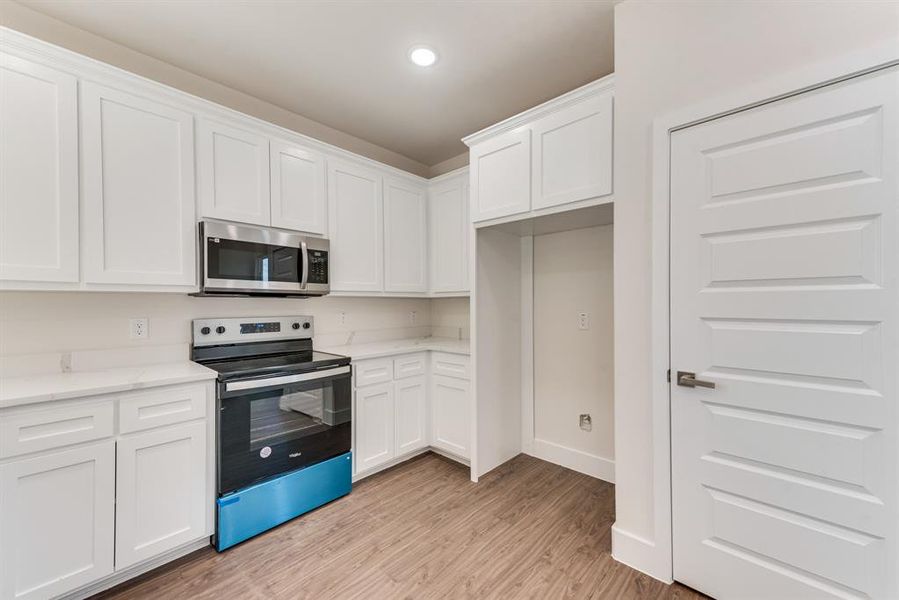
[668,375]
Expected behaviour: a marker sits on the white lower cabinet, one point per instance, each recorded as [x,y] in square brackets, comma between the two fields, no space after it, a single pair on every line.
[451,422]
[57,514]
[160,491]
[404,406]
[411,404]
[375,426]
[99,494]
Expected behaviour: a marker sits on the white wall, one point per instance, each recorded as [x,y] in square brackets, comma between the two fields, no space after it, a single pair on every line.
[573,368]
[450,318]
[669,55]
[56,322]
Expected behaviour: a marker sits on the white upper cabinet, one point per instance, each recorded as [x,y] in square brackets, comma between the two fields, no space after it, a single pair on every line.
[405,237]
[138,181]
[38,172]
[501,176]
[356,226]
[298,188]
[556,154]
[234,173]
[448,235]
[573,153]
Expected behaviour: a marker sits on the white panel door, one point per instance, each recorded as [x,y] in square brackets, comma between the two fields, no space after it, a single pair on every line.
[448,236]
[785,295]
[38,172]
[57,521]
[233,167]
[501,176]
[374,422]
[160,491]
[450,419]
[298,188]
[411,400]
[405,237]
[573,153]
[356,226]
[139,203]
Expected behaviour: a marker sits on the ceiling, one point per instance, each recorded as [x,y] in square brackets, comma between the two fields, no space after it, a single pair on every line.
[343,62]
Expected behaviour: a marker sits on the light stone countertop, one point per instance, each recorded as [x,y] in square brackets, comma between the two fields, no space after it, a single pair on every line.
[403,346]
[30,389]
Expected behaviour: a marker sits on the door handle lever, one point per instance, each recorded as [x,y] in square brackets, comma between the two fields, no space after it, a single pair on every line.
[688,379]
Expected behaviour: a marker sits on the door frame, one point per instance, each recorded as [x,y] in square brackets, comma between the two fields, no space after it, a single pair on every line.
[655,556]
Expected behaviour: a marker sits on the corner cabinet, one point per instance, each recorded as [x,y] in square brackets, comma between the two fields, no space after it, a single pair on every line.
[138,181]
[405,237]
[355,223]
[558,154]
[448,236]
[39,163]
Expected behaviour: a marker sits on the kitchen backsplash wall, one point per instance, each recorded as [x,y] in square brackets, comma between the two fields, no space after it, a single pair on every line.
[46,323]
[450,318]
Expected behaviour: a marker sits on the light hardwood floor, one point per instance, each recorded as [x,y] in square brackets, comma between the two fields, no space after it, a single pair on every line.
[529,529]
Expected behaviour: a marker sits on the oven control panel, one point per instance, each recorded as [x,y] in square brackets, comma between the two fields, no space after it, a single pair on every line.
[208,332]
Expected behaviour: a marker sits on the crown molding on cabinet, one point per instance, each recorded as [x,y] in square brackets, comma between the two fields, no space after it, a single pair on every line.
[600,86]
[90,69]
[447,176]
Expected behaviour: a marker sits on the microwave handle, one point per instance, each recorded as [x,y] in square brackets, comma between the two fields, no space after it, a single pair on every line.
[304,250]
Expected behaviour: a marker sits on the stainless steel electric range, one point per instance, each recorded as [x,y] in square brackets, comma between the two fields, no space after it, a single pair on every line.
[283,421]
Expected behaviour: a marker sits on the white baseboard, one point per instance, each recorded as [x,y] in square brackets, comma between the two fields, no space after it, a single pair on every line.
[451,456]
[582,462]
[640,554]
[401,459]
[139,569]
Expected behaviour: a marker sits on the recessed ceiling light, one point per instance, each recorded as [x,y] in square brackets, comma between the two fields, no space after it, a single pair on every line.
[423,56]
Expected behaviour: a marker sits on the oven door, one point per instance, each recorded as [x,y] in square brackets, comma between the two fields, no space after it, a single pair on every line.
[267,427]
[240,259]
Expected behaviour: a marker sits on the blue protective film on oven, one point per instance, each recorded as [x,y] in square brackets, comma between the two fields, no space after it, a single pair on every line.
[250,511]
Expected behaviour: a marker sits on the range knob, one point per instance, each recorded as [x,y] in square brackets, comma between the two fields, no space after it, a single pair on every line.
[296,325]
[205,330]
[307,325]
[220,329]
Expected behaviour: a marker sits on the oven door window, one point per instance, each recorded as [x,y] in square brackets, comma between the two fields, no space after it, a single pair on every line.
[250,261]
[270,432]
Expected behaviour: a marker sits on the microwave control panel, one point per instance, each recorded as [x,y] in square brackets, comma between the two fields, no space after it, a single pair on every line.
[318,266]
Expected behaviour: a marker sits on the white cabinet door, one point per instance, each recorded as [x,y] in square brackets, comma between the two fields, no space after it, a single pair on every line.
[234,173]
[38,172]
[450,410]
[405,237]
[139,204]
[573,153]
[57,521]
[298,188]
[448,236]
[501,176]
[411,401]
[374,426]
[355,221]
[160,490]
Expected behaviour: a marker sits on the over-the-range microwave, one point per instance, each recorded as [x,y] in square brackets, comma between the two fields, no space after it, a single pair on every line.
[259,261]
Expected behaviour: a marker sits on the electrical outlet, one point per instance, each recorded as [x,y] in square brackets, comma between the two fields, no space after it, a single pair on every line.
[586,422]
[583,321]
[342,318]
[140,329]
[413,317]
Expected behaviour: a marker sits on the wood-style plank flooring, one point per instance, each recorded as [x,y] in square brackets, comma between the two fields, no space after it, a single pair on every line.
[529,529]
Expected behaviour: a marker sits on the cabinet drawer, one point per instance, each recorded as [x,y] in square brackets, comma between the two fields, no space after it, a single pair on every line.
[451,365]
[163,406]
[34,431]
[410,365]
[370,372]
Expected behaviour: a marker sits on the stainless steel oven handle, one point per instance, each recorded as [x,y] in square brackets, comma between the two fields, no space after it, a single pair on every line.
[258,383]
[304,249]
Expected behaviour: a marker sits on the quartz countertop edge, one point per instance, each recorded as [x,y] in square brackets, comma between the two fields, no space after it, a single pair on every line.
[397,347]
[32,389]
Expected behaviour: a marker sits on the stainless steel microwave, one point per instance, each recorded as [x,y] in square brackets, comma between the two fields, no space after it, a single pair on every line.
[259,261]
